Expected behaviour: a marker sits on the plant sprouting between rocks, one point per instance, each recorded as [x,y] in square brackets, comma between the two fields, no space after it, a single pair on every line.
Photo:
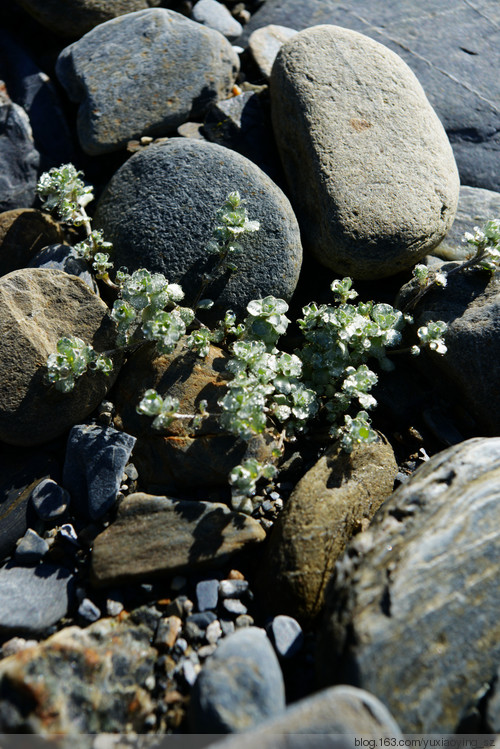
[270,389]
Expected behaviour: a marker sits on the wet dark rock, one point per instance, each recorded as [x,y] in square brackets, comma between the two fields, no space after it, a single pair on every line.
[428,560]
[239,686]
[175,69]
[33,598]
[159,536]
[95,459]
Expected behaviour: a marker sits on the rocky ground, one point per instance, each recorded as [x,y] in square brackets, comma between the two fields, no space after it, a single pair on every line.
[361,597]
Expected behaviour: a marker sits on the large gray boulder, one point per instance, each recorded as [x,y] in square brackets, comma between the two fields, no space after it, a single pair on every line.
[159,211]
[370,171]
[174,69]
[453,50]
[412,615]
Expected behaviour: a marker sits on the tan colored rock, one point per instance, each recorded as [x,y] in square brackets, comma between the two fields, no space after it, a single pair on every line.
[80,681]
[23,232]
[160,536]
[37,307]
[371,173]
[180,457]
[336,498]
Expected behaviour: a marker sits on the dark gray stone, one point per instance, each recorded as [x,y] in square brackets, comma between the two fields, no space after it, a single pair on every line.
[49,499]
[215,15]
[31,548]
[342,717]
[175,69]
[470,370]
[73,18]
[207,594]
[202,619]
[65,258]
[33,90]
[453,50]
[370,170]
[412,613]
[18,156]
[243,123]
[80,681]
[159,211]
[93,469]
[239,686]
[475,207]
[33,598]
[89,611]
[287,636]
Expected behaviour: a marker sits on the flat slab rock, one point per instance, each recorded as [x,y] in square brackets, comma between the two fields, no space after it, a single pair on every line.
[158,536]
[413,613]
[79,681]
[453,48]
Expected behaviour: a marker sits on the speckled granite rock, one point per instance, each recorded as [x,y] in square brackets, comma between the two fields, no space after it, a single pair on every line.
[332,502]
[370,171]
[159,210]
[79,681]
[175,69]
[160,536]
[412,615]
[37,307]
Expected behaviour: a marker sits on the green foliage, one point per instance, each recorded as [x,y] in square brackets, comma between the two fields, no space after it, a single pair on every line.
[72,359]
[243,479]
[62,191]
[486,244]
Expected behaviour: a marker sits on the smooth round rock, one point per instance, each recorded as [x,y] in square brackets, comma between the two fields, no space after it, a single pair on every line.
[159,211]
[49,499]
[239,686]
[332,501]
[412,613]
[23,232]
[264,44]
[174,69]
[76,17]
[217,16]
[370,171]
[63,257]
[37,307]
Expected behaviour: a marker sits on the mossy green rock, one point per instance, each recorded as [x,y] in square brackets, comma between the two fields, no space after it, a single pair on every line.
[412,615]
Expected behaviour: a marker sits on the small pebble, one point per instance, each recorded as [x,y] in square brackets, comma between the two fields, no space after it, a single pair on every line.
[227,627]
[207,594]
[16,645]
[168,631]
[206,651]
[31,548]
[131,472]
[49,499]
[201,619]
[235,575]
[113,608]
[232,588]
[213,632]
[68,532]
[181,645]
[89,611]
[286,634]
[147,615]
[234,606]
[244,620]
[189,672]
